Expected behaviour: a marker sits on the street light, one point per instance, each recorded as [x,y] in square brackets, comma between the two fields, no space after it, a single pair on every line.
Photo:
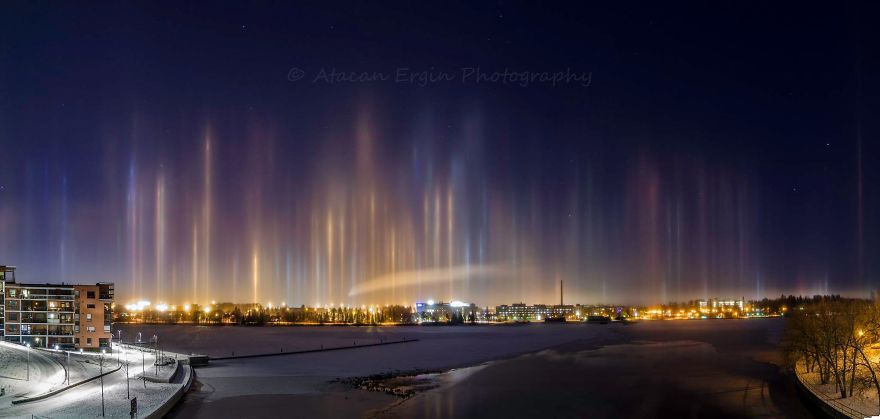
[66,372]
[28,361]
[101,358]
[143,368]
[156,353]
[118,362]
[127,388]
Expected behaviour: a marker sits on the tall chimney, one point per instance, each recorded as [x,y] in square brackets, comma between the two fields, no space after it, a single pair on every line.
[560,292]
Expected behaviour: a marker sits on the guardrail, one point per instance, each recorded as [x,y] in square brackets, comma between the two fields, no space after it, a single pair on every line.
[168,404]
[163,378]
[821,397]
[54,392]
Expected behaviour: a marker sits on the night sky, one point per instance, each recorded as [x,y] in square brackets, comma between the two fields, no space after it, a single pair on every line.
[293,153]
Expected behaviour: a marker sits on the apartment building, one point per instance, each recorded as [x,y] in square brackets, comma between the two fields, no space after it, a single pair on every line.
[55,315]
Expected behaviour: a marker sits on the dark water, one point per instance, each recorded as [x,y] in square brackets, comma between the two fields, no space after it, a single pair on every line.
[710,369]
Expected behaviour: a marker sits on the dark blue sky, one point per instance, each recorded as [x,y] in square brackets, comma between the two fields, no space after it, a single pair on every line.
[193,152]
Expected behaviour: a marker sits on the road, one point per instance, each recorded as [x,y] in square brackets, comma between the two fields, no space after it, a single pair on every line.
[85,400]
[45,373]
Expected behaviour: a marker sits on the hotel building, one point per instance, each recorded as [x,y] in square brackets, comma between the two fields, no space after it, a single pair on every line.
[45,315]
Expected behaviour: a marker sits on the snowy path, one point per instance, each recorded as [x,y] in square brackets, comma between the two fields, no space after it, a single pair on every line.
[85,400]
[45,373]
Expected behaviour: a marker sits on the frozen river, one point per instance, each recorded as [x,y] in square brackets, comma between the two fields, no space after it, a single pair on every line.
[681,368]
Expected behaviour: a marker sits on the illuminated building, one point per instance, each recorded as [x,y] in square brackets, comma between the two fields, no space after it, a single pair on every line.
[523,312]
[716,304]
[45,315]
[446,312]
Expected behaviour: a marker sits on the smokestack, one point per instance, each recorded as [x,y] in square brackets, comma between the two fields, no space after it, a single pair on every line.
[560,292]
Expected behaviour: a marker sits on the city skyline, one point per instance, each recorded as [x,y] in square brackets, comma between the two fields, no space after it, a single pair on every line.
[320,158]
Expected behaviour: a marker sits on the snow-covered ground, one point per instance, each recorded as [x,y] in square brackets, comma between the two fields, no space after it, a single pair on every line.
[861,404]
[85,400]
[45,374]
[115,402]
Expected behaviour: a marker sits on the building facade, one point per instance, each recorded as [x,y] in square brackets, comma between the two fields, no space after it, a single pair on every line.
[716,304]
[49,315]
[537,312]
[447,312]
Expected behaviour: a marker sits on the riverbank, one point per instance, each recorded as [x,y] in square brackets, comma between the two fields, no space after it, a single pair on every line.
[860,405]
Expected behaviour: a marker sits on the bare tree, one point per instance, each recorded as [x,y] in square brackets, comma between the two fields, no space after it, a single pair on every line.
[831,336]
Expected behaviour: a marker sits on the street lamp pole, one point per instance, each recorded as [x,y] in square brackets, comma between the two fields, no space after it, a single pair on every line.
[127,388]
[143,368]
[68,367]
[156,353]
[101,358]
[28,361]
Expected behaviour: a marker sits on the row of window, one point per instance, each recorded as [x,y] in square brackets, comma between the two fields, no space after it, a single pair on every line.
[43,293]
[102,342]
[40,305]
[37,317]
[43,329]
[62,293]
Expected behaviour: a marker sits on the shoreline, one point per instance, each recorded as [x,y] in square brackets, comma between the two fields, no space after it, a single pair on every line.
[426,324]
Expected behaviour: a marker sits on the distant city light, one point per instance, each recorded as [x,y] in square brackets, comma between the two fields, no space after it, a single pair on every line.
[138,306]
